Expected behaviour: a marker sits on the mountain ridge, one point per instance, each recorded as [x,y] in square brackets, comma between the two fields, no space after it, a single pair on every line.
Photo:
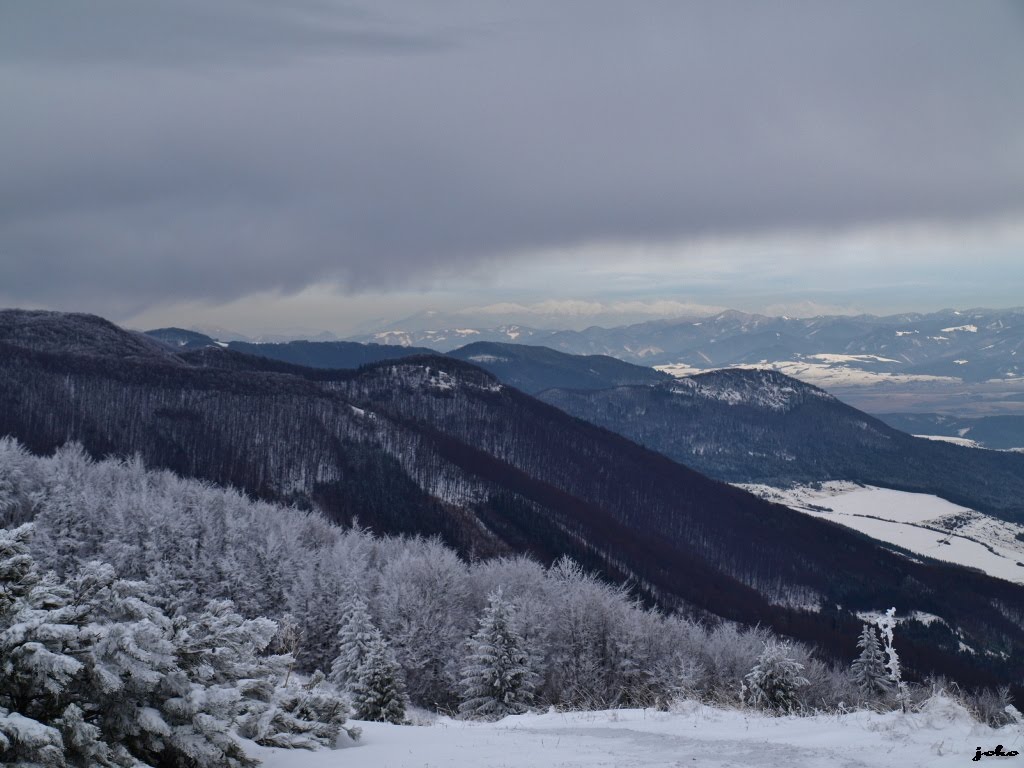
[704,421]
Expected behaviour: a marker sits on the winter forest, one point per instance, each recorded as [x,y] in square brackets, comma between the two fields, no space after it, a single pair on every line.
[147,619]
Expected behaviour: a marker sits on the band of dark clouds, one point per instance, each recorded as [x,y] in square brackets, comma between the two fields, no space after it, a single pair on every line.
[168,151]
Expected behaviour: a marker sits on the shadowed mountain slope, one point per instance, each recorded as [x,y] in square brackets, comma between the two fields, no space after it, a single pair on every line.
[762,426]
[534,369]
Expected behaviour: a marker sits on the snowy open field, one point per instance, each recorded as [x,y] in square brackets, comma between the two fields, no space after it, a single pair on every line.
[918,522]
[693,735]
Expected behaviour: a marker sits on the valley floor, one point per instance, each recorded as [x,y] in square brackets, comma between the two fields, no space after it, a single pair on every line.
[918,522]
[942,734]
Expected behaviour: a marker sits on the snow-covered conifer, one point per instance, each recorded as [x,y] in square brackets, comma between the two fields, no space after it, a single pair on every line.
[355,636]
[377,692]
[298,717]
[496,678]
[221,647]
[868,669]
[773,682]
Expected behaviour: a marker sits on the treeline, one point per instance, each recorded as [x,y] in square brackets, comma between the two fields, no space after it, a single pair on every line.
[591,644]
[187,546]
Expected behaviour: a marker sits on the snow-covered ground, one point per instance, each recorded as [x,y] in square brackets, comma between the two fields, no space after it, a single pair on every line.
[918,522]
[942,734]
[826,371]
[964,441]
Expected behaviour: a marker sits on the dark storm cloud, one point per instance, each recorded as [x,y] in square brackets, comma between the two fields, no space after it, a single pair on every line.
[160,151]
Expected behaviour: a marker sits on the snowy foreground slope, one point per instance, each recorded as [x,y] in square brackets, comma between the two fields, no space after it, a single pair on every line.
[918,522]
[942,734]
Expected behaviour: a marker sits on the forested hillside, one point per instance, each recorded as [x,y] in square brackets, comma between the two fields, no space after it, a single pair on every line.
[529,368]
[433,445]
[764,427]
[996,432]
[534,369]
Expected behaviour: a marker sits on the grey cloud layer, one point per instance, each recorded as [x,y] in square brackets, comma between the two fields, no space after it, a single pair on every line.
[160,151]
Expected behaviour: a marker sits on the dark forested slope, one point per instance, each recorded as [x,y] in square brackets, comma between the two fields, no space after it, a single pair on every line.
[996,432]
[534,369]
[312,354]
[762,426]
[529,368]
[434,445]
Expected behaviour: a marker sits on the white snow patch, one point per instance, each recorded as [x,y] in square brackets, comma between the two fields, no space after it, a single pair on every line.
[679,370]
[964,441]
[942,734]
[831,358]
[967,328]
[821,374]
[920,523]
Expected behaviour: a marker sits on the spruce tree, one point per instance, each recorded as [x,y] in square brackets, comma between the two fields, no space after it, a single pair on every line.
[773,682]
[355,636]
[868,669]
[377,692]
[496,679]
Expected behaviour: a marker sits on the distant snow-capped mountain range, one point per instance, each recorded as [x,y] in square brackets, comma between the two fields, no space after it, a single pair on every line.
[960,362]
[969,362]
[972,345]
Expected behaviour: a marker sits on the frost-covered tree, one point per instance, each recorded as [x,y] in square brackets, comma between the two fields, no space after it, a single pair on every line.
[378,693]
[496,678]
[314,602]
[868,669]
[423,613]
[773,682]
[21,484]
[355,636]
[886,625]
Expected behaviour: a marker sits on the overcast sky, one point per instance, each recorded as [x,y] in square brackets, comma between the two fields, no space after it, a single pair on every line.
[269,164]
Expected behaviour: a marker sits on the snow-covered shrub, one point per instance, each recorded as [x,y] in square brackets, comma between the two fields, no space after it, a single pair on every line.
[496,678]
[297,717]
[773,682]
[993,706]
[829,687]
[727,653]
